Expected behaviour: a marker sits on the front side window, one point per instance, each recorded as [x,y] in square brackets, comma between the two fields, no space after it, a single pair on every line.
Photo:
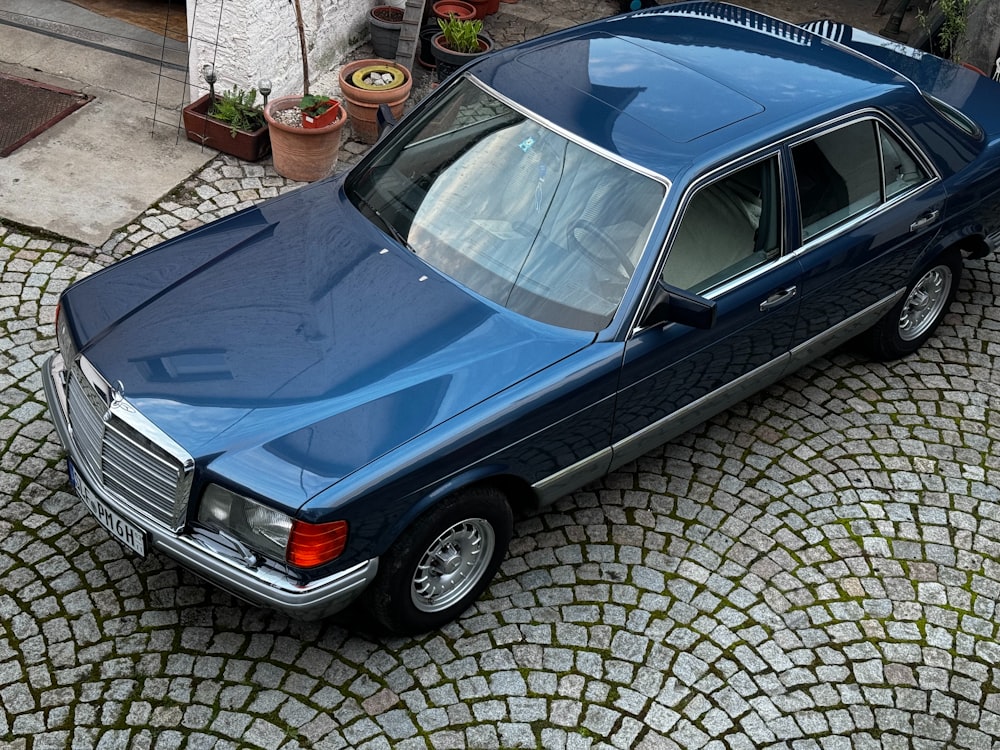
[847,171]
[727,228]
[511,209]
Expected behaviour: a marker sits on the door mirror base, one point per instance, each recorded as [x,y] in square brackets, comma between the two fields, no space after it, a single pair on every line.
[672,305]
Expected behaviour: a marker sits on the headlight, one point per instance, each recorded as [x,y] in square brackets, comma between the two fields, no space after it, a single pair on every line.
[263,529]
[271,532]
[64,339]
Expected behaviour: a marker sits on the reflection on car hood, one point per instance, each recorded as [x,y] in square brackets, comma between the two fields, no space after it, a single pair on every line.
[290,343]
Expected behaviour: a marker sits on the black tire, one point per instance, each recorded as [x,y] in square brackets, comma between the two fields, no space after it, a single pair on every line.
[913,319]
[442,563]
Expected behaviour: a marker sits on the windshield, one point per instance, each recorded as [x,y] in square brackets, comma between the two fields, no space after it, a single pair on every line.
[511,209]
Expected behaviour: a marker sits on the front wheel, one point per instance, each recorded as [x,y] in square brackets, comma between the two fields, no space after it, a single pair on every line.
[912,321]
[442,563]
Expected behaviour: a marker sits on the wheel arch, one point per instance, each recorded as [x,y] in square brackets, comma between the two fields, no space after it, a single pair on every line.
[516,490]
[912,320]
[432,574]
[970,241]
[974,246]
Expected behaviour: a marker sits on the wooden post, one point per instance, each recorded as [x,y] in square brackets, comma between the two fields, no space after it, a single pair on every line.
[409,34]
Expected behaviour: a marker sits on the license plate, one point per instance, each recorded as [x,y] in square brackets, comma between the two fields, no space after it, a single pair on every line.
[124,531]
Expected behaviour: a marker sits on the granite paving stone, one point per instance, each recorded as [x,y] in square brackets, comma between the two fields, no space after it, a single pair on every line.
[818,567]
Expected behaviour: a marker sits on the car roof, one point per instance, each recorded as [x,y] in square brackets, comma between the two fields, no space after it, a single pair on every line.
[675,85]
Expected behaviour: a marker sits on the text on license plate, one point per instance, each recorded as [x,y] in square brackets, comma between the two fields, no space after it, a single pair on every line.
[127,533]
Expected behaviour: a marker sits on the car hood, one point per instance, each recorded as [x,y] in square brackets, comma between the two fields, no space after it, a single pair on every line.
[292,344]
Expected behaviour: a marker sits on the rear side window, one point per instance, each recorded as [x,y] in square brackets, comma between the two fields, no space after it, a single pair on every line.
[900,171]
[848,171]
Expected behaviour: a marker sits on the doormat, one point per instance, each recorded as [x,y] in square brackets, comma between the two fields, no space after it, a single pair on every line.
[165,17]
[28,108]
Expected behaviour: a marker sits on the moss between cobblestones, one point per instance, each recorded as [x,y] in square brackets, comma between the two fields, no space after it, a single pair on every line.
[12,227]
[181,194]
[354,674]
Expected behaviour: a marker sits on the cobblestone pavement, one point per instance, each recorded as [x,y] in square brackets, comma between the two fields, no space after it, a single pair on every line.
[815,568]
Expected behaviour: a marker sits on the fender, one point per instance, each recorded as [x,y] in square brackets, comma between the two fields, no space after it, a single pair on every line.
[970,238]
[486,473]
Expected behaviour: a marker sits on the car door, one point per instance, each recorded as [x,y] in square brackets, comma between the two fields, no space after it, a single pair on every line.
[868,205]
[727,248]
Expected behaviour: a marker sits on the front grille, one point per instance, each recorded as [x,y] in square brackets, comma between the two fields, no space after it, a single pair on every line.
[128,464]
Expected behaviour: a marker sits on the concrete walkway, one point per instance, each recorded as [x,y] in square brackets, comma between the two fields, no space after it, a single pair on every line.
[815,569]
[108,162]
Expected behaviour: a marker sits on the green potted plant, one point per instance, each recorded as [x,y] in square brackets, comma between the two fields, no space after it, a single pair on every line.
[231,122]
[318,110]
[302,153]
[305,147]
[459,41]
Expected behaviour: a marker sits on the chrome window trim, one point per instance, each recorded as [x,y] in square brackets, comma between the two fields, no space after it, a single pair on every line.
[785,177]
[880,120]
[833,36]
[868,113]
[954,116]
[601,152]
[746,160]
[573,137]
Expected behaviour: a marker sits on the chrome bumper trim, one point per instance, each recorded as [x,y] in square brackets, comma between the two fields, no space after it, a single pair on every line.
[309,601]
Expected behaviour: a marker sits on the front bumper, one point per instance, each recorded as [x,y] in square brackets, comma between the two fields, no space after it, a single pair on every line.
[202,554]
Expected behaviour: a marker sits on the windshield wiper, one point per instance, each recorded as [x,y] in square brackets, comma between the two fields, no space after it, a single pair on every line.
[389,227]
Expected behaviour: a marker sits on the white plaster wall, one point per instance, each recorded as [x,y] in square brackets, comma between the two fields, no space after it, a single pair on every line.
[247,40]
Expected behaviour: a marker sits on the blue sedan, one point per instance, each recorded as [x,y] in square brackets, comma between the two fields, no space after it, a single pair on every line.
[573,251]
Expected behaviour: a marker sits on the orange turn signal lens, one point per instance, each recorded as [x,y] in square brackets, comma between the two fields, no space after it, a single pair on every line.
[312,544]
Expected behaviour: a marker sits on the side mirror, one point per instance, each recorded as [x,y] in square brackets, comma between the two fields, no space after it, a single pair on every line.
[671,305]
[386,120]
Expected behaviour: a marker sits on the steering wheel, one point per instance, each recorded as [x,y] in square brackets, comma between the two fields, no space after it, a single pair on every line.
[607,244]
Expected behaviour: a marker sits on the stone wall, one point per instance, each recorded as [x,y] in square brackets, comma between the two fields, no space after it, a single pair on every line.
[247,40]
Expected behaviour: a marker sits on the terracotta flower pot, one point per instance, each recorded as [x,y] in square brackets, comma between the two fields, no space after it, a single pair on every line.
[482,8]
[363,103]
[462,10]
[302,154]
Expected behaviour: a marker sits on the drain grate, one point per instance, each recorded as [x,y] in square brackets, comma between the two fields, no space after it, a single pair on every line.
[27,108]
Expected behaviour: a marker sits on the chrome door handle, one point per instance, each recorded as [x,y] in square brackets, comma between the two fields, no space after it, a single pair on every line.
[779,298]
[924,220]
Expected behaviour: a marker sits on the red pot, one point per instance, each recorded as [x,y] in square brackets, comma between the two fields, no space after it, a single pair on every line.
[321,121]
[459,8]
[482,8]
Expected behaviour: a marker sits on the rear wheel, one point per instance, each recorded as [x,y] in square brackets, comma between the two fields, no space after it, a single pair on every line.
[442,563]
[912,321]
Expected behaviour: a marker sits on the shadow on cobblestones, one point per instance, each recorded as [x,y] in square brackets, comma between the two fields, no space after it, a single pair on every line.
[815,568]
